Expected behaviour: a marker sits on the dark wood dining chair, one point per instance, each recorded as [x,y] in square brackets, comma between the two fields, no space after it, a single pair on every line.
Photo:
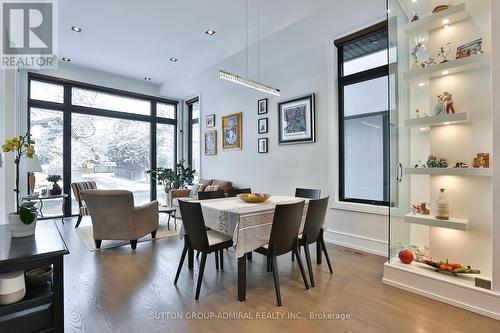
[313,232]
[307,193]
[235,192]
[197,237]
[284,239]
[211,195]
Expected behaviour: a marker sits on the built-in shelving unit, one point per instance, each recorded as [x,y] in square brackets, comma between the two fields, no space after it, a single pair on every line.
[449,67]
[452,223]
[472,172]
[441,120]
[435,21]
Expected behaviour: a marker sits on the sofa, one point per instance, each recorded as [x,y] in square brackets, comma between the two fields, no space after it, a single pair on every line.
[201,186]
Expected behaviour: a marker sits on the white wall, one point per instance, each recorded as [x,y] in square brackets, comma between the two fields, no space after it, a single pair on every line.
[295,60]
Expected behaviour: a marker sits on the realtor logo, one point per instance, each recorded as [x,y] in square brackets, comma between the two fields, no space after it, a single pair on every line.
[29,34]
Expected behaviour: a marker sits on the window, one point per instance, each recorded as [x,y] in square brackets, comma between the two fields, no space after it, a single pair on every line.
[91,133]
[364,116]
[194,134]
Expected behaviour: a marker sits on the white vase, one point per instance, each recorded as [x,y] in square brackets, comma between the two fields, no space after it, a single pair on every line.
[18,228]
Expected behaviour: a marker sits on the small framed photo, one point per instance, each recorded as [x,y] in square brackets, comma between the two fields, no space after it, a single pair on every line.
[211,142]
[296,120]
[262,125]
[210,121]
[470,49]
[262,145]
[262,106]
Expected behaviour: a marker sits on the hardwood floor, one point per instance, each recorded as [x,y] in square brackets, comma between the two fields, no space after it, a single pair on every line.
[119,290]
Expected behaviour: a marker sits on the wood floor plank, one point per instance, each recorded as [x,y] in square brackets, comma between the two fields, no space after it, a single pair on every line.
[120,290]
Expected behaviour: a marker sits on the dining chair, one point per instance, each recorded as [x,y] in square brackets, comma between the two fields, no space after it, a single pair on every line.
[235,192]
[197,237]
[283,239]
[307,193]
[211,195]
[313,232]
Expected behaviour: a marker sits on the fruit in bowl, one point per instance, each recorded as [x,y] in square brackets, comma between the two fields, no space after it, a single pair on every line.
[254,197]
[406,257]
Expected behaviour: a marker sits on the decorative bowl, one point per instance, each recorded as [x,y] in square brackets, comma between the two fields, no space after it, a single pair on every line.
[254,197]
[39,276]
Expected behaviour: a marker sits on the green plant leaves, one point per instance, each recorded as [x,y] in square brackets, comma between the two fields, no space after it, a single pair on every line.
[28,212]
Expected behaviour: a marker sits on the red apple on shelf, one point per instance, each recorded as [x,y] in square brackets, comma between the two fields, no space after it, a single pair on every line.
[406,257]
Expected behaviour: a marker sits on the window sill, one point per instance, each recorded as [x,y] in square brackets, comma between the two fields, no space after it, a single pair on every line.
[361,208]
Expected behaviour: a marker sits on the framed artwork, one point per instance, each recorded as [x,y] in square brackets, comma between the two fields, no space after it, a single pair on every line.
[210,121]
[262,106]
[231,131]
[211,142]
[262,125]
[296,120]
[470,49]
[262,145]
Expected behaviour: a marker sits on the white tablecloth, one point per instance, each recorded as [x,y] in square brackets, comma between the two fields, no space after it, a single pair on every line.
[248,224]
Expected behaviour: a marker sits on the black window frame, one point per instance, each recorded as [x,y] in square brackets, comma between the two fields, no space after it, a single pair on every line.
[192,122]
[67,108]
[343,81]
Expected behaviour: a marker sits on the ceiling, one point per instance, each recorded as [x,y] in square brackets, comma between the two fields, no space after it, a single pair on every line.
[137,39]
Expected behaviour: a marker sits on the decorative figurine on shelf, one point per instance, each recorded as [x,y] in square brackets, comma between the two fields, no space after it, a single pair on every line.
[422,209]
[420,165]
[443,53]
[429,62]
[432,162]
[419,44]
[415,18]
[440,106]
[462,165]
[482,160]
[448,101]
[440,8]
[442,206]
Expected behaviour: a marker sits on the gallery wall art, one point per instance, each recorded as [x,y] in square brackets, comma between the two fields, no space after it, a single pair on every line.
[231,131]
[211,142]
[296,119]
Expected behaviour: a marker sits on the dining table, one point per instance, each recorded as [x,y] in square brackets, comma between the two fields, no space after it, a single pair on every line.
[249,224]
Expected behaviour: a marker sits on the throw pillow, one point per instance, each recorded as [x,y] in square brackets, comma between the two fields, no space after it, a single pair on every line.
[211,188]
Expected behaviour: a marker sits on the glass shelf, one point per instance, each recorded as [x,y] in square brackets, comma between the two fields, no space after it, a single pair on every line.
[473,172]
[435,21]
[443,120]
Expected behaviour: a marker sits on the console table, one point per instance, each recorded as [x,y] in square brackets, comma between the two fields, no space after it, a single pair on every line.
[42,309]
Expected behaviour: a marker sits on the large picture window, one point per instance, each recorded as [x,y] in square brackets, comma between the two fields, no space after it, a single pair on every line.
[91,133]
[364,116]
[194,134]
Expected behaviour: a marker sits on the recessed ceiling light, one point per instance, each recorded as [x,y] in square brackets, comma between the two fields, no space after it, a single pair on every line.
[446,21]
[76,29]
[174,59]
[445,72]
[414,1]
[421,84]
[66,59]
[147,78]
[210,32]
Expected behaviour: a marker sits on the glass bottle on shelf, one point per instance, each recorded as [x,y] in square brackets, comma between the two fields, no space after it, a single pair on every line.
[442,207]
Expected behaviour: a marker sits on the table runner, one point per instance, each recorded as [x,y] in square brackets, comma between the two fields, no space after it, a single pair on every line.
[248,224]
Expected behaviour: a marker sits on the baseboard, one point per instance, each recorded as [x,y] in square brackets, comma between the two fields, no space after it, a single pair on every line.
[362,243]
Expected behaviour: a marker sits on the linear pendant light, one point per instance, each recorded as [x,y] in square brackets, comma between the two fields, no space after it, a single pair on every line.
[244,81]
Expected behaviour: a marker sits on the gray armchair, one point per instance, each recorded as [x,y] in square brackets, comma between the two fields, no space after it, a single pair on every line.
[114,216]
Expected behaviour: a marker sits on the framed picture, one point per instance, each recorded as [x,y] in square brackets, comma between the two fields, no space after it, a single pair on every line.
[470,49]
[210,121]
[262,106]
[262,145]
[262,125]
[211,142]
[231,131]
[296,120]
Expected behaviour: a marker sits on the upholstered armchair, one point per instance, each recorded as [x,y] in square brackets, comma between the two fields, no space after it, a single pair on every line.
[77,187]
[114,216]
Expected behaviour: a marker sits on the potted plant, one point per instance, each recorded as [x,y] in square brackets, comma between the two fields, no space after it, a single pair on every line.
[56,189]
[23,220]
[173,179]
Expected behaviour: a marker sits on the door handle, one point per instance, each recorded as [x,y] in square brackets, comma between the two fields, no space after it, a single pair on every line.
[399,173]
